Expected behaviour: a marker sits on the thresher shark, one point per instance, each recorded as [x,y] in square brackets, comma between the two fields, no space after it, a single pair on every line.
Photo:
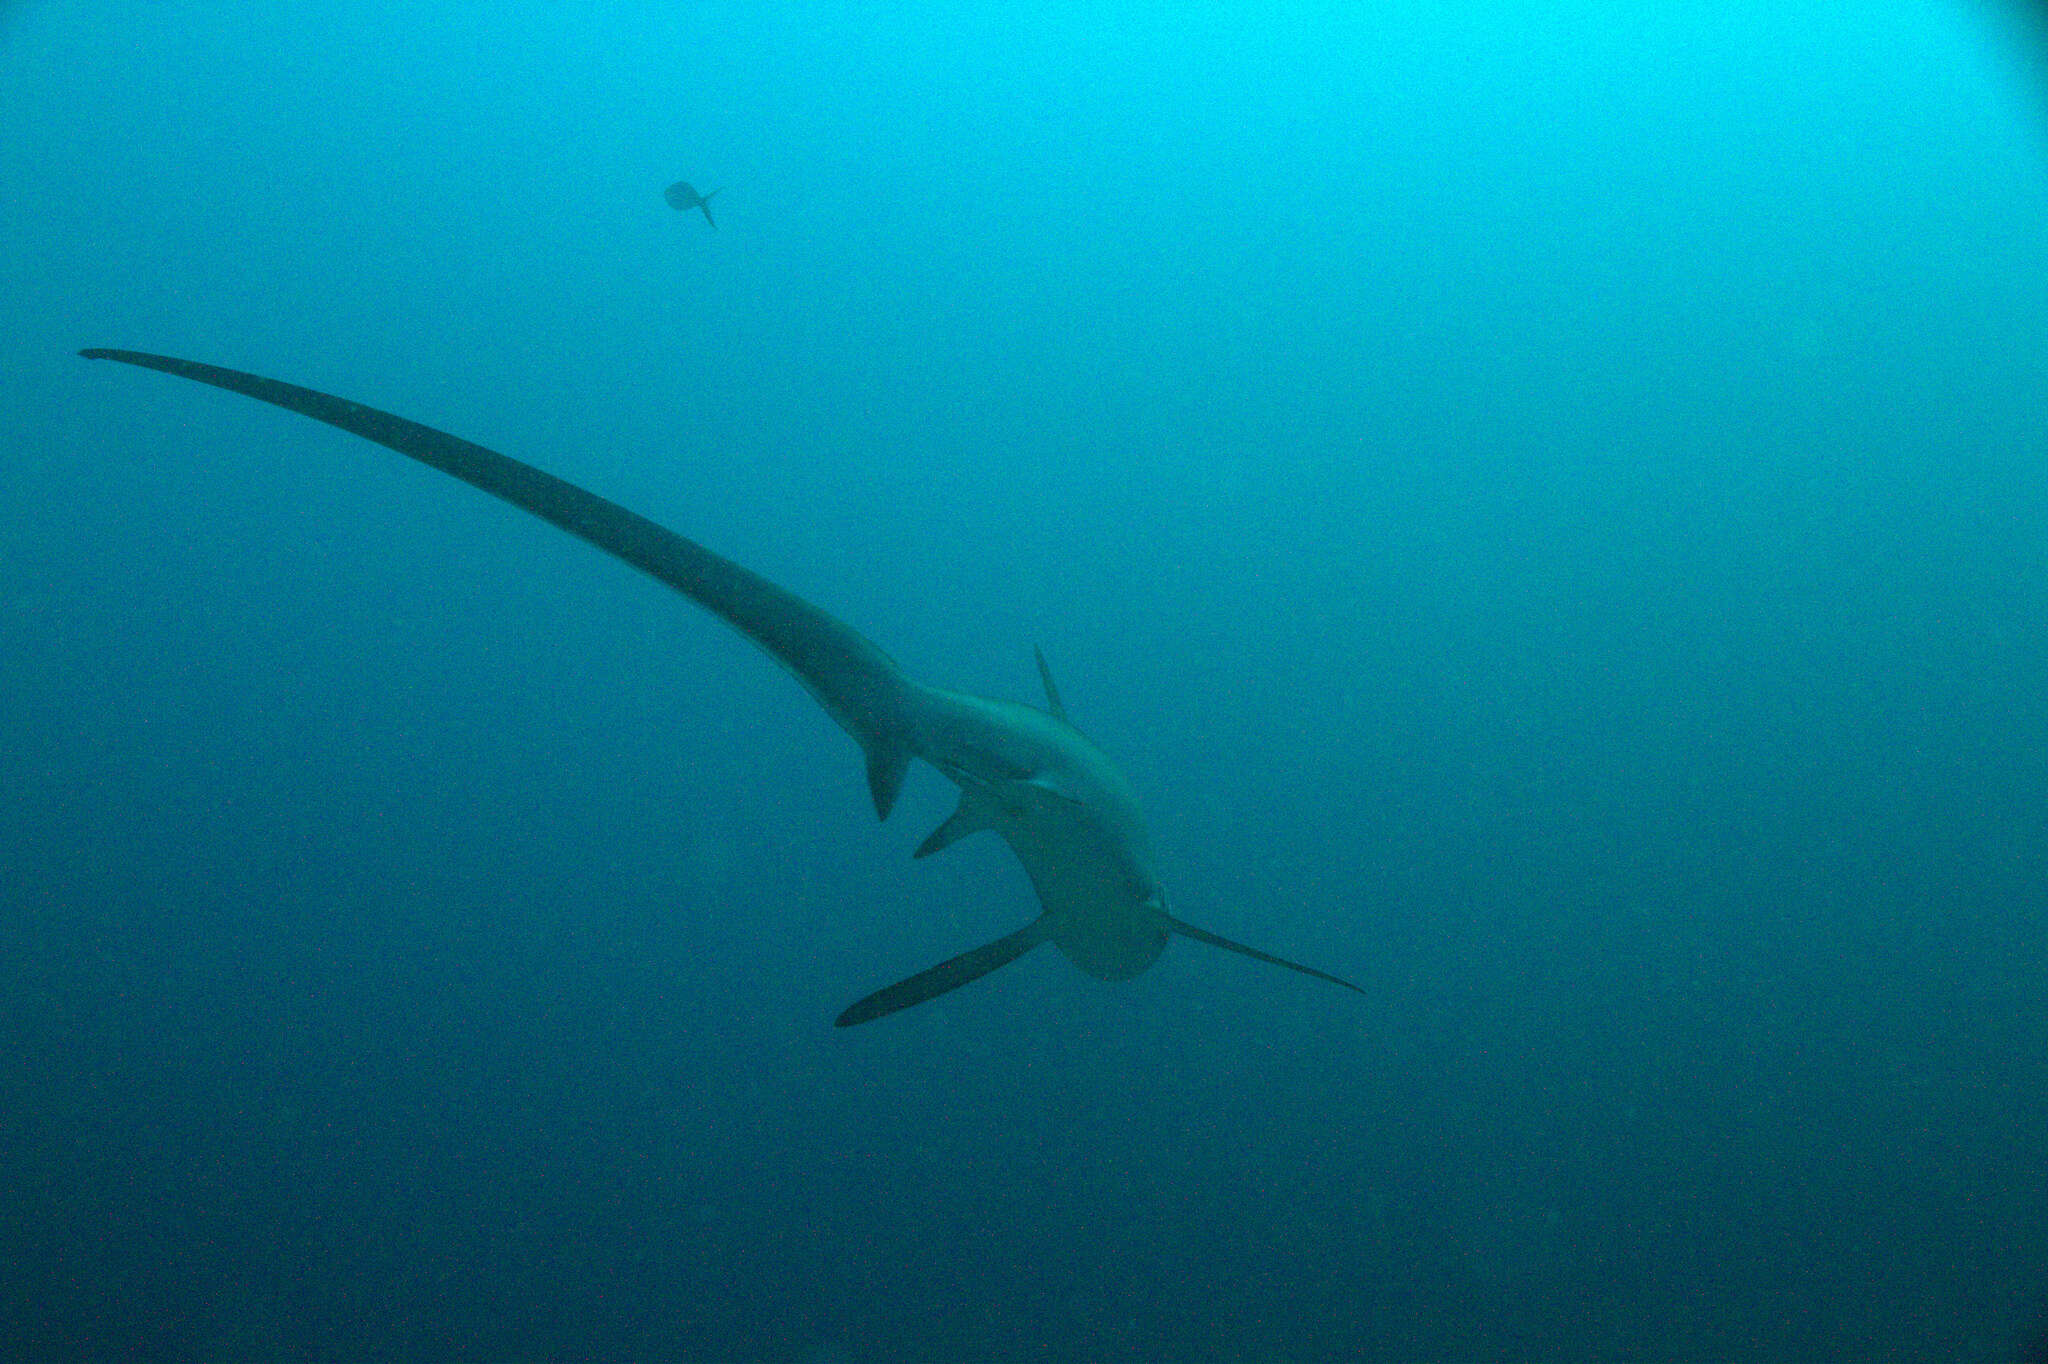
[1025,773]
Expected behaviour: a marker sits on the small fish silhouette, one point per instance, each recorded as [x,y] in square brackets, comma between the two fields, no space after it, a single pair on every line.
[682,198]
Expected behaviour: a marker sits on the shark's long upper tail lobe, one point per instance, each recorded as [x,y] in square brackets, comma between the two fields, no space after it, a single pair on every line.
[858,685]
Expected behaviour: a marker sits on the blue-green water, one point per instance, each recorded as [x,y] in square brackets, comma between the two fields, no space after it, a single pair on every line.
[1547,504]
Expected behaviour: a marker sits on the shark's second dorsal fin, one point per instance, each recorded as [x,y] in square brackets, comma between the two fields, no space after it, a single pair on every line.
[1052,693]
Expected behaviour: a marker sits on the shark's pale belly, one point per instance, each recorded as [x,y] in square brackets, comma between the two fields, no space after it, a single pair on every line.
[1102,909]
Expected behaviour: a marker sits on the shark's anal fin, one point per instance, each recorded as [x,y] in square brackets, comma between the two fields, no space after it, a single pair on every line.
[1215,940]
[947,975]
[887,765]
[1052,693]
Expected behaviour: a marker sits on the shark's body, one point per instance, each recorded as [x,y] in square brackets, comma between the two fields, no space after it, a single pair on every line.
[1027,774]
[682,199]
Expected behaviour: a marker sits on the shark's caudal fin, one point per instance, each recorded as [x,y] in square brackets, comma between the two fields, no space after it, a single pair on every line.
[947,975]
[705,204]
[1215,940]
[858,685]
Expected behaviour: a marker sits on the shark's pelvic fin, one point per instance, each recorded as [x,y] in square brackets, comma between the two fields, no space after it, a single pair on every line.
[1216,940]
[1052,693]
[947,975]
[971,817]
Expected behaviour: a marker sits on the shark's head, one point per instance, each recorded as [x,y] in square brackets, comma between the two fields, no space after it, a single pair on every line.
[1115,946]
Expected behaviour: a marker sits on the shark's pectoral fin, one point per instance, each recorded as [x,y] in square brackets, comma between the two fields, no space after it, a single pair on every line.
[947,975]
[1204,935]
[974,814]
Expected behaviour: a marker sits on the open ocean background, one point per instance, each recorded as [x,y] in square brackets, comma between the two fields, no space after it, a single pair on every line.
[1547,502]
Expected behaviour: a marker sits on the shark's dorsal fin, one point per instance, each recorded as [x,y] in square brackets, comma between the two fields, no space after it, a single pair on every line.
[1216,940]
[947,975]
[1052,692]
